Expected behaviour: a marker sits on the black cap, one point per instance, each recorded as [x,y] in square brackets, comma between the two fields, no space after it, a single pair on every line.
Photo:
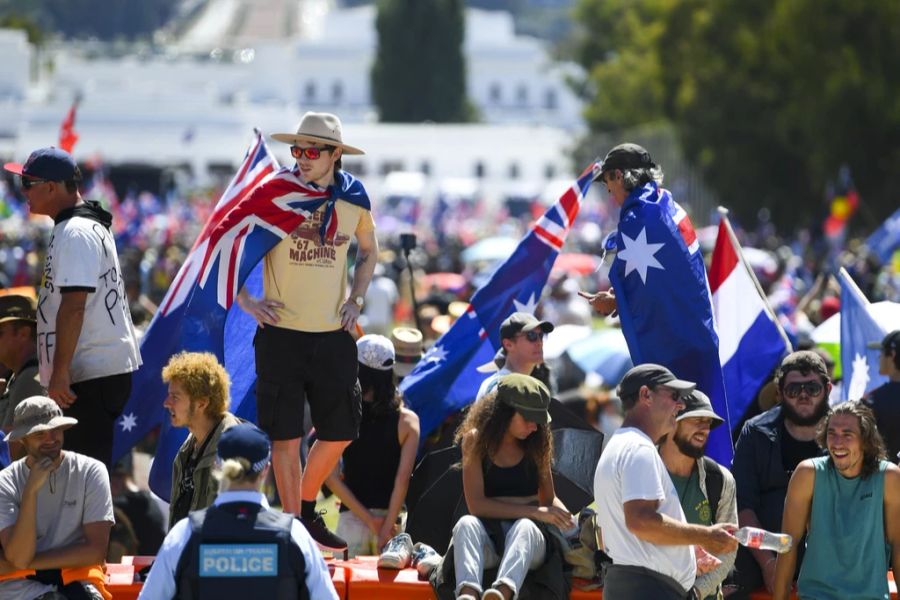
[522,321]
[246,441]
[697,404]
[625,156]
[890,342]
[527,395]
[48,163]
[16,307]
[652,375]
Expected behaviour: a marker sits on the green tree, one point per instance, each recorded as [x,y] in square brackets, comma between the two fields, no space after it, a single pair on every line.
[419,72]
[769,98]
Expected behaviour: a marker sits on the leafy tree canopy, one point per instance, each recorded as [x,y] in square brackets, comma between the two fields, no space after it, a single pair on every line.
[769,98]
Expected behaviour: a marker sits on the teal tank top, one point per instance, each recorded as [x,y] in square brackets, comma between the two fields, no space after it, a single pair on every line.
[847,555]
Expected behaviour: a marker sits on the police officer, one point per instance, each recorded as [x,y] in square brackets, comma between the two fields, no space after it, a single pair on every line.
[239,547]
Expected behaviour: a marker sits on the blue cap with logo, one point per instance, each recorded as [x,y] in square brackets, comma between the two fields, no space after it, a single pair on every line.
[246,441]
[51,164]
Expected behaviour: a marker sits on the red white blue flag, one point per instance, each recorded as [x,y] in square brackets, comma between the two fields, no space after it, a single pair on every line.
[261,206]
[751,340]
[446,380]
[663,299]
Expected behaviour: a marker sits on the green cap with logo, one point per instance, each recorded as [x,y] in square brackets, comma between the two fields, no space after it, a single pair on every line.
[527,395]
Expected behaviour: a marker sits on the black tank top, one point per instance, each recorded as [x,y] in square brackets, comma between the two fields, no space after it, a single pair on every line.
[370,462]
[517,481]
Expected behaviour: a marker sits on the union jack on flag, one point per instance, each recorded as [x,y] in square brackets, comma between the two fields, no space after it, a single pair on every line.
[261,206]
[446,379]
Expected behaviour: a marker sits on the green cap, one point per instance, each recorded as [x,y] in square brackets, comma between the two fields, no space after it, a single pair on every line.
[527,395]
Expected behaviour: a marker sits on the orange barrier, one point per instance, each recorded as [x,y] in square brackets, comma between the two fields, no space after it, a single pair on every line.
[359,579]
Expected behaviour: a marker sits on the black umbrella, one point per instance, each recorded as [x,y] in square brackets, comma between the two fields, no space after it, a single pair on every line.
[440,503]
[432,466]
[576,453]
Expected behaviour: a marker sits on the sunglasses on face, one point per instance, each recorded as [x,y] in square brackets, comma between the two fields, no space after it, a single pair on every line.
[312,153]
[30,182]
[812,388]
[533,336]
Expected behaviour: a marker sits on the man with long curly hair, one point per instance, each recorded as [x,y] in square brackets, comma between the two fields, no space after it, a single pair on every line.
[199,394]
[848,505]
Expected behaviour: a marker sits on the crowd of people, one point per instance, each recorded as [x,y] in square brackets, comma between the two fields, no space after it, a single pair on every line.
[667,516]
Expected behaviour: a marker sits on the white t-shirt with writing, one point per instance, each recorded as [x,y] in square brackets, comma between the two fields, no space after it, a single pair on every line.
[82,255]
[630,469]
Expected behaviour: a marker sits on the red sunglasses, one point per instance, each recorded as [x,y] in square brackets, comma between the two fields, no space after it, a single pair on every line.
[312,153]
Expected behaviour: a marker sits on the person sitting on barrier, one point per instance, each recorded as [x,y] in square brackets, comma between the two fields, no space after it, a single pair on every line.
[506,453]
[378,464]
[239,547]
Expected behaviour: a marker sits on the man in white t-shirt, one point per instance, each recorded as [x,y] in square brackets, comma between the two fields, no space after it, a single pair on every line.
[522,339]
[87,348]
[643,526]
[56,510]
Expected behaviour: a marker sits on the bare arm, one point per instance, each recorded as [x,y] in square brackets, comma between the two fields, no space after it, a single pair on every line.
[90,552]
[482,506]
[408,435]
[643,519]
[366,258]
[892,514]
[19,540]
[69,321]
[797,506]
[261,309]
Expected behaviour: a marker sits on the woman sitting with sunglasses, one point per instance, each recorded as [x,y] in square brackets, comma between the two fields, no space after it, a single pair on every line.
[506,454]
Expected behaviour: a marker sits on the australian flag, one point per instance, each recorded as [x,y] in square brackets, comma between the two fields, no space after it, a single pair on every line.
[663,299]
[261,206]
[446,380]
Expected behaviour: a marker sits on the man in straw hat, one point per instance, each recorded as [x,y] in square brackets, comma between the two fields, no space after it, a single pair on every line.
[304,350]
[56,510]
[18,353]
[239,547]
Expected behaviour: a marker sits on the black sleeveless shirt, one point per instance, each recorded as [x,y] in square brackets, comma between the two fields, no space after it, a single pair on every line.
[519,480]
[371,461]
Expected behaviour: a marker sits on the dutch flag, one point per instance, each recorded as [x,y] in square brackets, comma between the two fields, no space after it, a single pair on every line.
[751,341]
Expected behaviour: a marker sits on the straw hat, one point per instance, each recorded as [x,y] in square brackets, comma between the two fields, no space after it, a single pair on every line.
[318,128]
[408,349]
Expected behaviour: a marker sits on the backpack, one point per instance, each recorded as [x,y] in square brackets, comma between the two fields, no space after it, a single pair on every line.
[714,482]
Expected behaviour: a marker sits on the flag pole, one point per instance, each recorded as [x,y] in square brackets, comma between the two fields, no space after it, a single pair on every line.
[723,213]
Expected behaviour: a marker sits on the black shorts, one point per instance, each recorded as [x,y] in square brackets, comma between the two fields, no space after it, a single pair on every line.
[319,368]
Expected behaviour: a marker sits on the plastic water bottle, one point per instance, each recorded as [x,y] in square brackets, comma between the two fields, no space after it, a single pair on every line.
[753,537]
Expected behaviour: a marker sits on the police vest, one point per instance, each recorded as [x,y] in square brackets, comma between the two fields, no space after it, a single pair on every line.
[240,550]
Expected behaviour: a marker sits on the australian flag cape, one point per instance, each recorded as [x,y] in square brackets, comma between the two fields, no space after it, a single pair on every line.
[262,205]
[664,301]
[446,379]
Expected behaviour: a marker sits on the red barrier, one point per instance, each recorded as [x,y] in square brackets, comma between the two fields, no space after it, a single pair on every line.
[358,579]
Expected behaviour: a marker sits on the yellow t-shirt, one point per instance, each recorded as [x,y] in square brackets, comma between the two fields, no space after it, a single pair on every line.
[309,278]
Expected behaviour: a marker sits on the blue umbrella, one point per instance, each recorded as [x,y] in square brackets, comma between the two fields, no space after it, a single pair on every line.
[605,353]
[489,249]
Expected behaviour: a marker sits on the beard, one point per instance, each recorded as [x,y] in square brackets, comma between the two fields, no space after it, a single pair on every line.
[687,448]
[790,414]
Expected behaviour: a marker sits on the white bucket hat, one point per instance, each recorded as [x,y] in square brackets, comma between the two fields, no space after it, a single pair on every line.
[37,413]
[318,128]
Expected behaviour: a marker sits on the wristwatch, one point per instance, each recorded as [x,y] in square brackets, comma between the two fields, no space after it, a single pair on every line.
[358,300]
